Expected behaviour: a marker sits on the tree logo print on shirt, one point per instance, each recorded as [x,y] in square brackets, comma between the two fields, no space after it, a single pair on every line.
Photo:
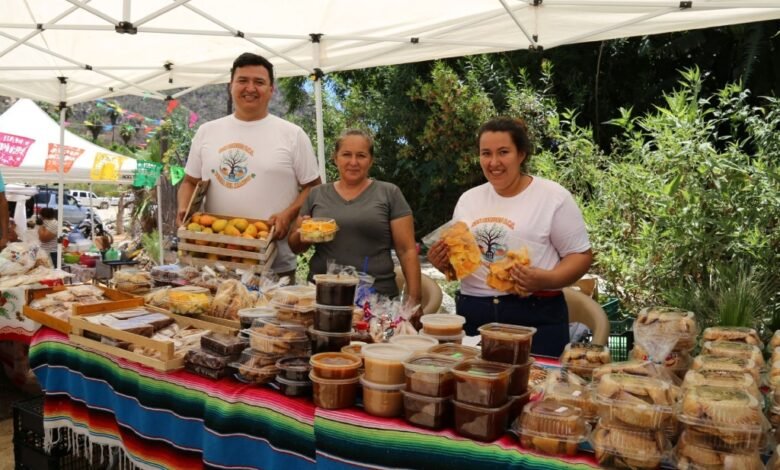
[233,171]
[491,241]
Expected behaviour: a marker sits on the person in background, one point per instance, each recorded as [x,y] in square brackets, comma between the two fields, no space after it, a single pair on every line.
[13,235]
[517,209]
[4,235]
[47,231]
[260,166]
[372,216]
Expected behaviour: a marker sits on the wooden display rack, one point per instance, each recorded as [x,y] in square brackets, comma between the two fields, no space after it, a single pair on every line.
[262,250]
[167,361]
[115,296]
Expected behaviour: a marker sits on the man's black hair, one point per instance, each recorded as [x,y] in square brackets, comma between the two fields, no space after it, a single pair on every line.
[248,59]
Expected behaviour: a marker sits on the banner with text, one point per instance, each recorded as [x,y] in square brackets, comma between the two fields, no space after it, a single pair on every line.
[13,149]
[69,157]
[106,167]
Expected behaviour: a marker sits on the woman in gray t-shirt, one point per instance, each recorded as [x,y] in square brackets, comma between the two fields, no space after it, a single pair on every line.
[372,216]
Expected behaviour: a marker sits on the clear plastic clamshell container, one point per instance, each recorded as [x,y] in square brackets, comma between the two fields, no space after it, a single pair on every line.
[631,400]
[551,427]
[636,367]
[247,316]
[733,364]
[256,366]
[510,344]
[430,375]
[318,230]
[774,462]
[297,298]
[774,342]
[738,334]
[693,454]
[678,362]
[667,322]
[482,383]
[584,358]
[573,394]
[723,418]
[722,378]
[734,349]
[631,448]
[281,338]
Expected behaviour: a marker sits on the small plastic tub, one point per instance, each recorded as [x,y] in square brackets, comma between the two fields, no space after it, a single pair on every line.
[355,348]
[322,341]
[480,423]
[584,358]
[382,400]
[247,316]
[621,447]
[427,412]
[222,344]
[517,403]
[551,428]
[336,289]
[632,400]
[256,366]
[294,368]
[482,383]
[668,321]
[333,319]
[442,324]
[318,230]
[518,381]
[335,365]
[294,388]
[275,337]
[384,363]
[510,344]
[416,343]
[691,454]
[333,394]
[737,334]
[455,339]
[455,351]
[430,375]
[733,349]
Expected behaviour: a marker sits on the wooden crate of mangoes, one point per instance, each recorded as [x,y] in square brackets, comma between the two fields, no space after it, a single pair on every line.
[235,242]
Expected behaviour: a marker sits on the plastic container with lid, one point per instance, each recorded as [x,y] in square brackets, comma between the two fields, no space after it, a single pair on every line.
[455,339]
[382,400]
[281,338]
[294,368]
[722,378]
[738,334]
[442,324]
[734,364]
[774,462]
[510,344]
[572,394]
[774,342]
[334,394]
[430,375]
[480,423]
[734,349]
[318,230]
[723,418]
[622,447]
[645,402]
[204,358]
[256,366]
[294,388]
[551,427]
[667,322]
[355,348]
[482,383]
[517,403]
[297,298]
[361,334]
[518,381]
[692,454]
[335,365]
[427,412]
[455,351]
[584,358]
[416,343]
[189,300]
[322,341]
[247,316]
[336,289]
[678,362]
[223,344]
[384,363]
[333,319]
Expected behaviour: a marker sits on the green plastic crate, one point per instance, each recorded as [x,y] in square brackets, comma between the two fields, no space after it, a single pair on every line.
[621,339]
[612,308]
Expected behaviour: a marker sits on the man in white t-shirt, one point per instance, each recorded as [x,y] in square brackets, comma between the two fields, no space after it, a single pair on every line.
[260,165]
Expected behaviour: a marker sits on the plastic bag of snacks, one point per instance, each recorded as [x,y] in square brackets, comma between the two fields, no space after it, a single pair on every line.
[499,273]
[231,297]
[465,255]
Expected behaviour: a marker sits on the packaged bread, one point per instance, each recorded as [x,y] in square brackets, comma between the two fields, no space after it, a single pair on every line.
[775,341]
[736,334]
[689,455]
[499,273]
[551,427]
[623,447]
[722,378]
[565,389]
[733,364]
[631,367]
[231,297]
[632,400]
[584,358]
[465,256]
[678,362]
[734,349]
[132,280]
[668,321]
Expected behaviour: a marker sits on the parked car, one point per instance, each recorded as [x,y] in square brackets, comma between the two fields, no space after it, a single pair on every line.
[129,199]
[84,198]
[72,211]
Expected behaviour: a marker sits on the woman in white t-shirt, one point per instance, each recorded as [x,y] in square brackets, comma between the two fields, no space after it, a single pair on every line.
[47,232]
[514,210]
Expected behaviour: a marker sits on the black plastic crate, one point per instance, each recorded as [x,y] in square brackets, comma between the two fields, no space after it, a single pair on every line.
[28,439]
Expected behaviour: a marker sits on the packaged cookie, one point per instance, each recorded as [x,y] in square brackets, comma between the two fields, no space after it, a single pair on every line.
[678,362]
[733,349]
[551,427]
[667,323]
[276,337]
[584,358]
[722,378]
[736,334]
[724,363]
[622,447]
[572,394]
[256,367]
[689,455]
[223,344]
[631,400]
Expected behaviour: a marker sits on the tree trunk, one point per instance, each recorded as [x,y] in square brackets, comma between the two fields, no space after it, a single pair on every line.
[120,215]
[169,205]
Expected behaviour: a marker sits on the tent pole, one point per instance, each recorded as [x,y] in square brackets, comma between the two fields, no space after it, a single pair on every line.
[91,213]
[159,219]
[315,50]
[61,170]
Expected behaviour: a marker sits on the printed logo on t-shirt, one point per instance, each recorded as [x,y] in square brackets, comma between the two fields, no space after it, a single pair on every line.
[233,171]
[491,234]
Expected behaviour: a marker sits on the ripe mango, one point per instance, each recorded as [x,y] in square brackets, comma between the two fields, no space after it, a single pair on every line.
[248,235]
[219,225]
[194,226]
[196,217]
[240,224]
[212,256]
[262,235]
[250,261]
[232,231]
[251,230]
[206,220]
[261,226]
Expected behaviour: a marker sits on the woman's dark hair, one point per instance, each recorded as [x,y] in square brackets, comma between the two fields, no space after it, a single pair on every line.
[248,59]
[354,132]
[517,129]
[48,213]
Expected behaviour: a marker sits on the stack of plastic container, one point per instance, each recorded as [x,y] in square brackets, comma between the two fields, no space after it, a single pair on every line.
[482,403]
[334,377]
[293,376]
[213,357]
[510,345]
[430,385]
[666,337]
[384,378]
[583,358]
[294,304]
[445,327]
[551,427]
[570,389]
[332,323]
[270,340]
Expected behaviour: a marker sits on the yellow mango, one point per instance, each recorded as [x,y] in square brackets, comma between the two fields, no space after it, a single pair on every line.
[206,220]
[196,217]
[194,226]
[240,224]
[247,235]
[261,226]
[250,261]
[219,225]
[212,256]
[262,235]
[232,231]
[251,230]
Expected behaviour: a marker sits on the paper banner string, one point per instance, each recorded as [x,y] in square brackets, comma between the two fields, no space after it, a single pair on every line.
[177,174]
[146,174]
[172,104]
[106,167]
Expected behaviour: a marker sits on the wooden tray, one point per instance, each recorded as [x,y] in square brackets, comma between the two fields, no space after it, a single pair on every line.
[167,361]
[62,325]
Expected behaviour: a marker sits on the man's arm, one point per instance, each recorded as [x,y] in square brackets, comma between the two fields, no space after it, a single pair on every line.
[3,220]
[282,220]
[184,195]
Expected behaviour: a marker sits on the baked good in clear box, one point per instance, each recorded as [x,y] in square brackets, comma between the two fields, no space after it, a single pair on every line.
[275,337]
[571,390]
[667,321]
[733,364]
[774,342]
[723,419]
[132,280]
[689,455]
[636,367]
[631,400]
[584,358]
[551,427]
[631,448]
[678,362]
[721,378]
[256,367]
[733,349]
[738,334]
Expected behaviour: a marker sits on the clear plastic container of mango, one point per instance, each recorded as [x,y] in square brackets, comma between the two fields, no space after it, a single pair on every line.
[318,230]
[189,300]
